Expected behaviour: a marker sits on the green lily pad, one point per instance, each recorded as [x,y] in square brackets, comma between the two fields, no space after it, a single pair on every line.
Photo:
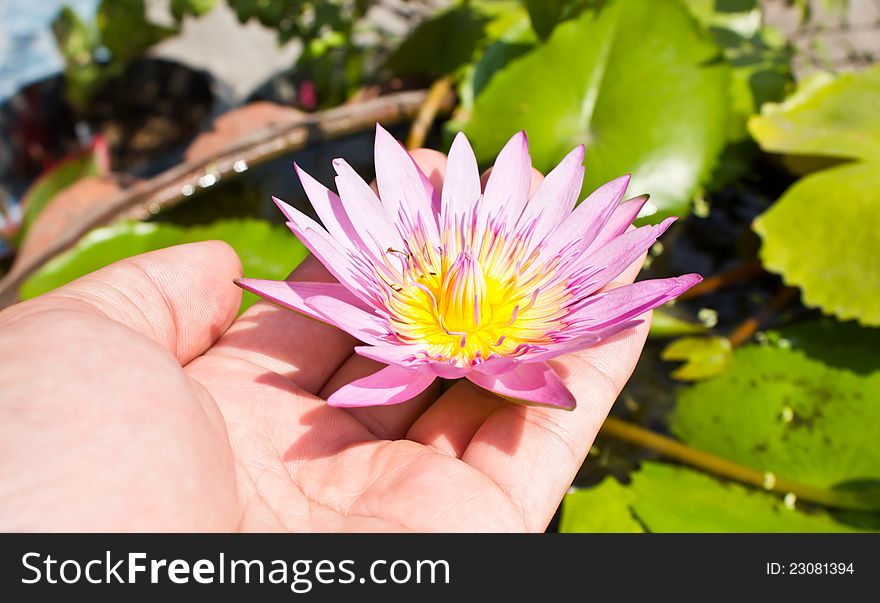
[676,499]
[827,116]
[703,357]
[265,250]
[843,345]
[666,322]
[822,236]
[667,498]
[777,410]
[602,508]
[612,80]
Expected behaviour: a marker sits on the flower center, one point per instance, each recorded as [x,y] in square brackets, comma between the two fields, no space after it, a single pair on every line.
[466,308]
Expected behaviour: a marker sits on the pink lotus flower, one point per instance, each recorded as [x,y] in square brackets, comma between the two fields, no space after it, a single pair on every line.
[486,285]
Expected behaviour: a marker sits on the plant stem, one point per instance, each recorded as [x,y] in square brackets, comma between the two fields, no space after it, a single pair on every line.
[168,188]
[744,331]
[722,279]
[437,96]
[673,449]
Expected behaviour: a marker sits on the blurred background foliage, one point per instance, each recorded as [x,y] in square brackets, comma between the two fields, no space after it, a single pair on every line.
[756,406]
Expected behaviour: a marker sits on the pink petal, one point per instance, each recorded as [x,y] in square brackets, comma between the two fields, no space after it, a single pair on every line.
[507,190]
[599,268]
[326,249]
[410,356]
[532,383]
[391,385]
[461,185]
[584,341]
[555,197]
[617,305]
[620,220]
[402,185]
[588,218]
[329,208]
[328,302]
[364,210]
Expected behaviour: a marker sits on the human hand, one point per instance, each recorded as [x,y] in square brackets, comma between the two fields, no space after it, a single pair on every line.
[132,399]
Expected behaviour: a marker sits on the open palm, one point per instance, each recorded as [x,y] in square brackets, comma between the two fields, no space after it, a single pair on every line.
[133,399]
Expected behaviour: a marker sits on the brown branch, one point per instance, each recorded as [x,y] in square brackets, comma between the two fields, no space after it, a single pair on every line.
[744,331]
[168,188]
[673,449]
[723,279]
[438,96]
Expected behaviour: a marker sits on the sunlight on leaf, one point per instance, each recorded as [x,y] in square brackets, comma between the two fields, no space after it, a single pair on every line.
[777,410]
[703,357]
[610,79]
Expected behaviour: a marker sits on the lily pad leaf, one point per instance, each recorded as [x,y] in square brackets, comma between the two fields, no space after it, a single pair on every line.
[822,236]
[611,79]
[602,508]
[827,116]
[666,322]
[703,357]
[667,498]
[676,499]
[843,345]
[265,250]
[777,410]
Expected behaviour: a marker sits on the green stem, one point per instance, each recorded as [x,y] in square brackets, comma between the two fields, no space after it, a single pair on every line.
[673,449]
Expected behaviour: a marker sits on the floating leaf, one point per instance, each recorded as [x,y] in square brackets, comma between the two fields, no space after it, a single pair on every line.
[602,508]
[611,79]
[840,344]
[93,161]
[675,499]
[826,116]
[665,322]
[666,498]
[822,236]
[703,357]
[266,251]
[778,411]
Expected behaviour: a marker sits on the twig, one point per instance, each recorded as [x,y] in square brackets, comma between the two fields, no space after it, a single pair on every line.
[722,279]
[438,95]
[633,434]
[744,331]
[172,186]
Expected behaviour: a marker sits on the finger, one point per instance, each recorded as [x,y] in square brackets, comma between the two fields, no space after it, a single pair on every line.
[305,351]
[385,422]
[449,425]
[534,453]
[182,297]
